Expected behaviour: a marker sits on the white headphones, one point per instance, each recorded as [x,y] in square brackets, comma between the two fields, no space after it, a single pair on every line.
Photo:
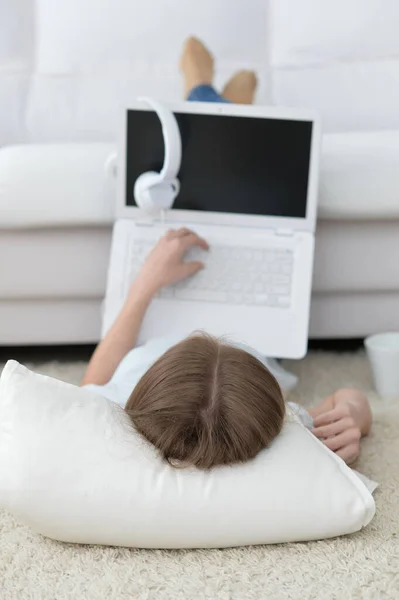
[156,192]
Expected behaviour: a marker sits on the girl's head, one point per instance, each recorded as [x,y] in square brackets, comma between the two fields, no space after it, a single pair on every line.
[206,403]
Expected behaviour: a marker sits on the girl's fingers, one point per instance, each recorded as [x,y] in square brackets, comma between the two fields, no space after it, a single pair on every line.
[191,268]
[328,417]
[348,437]
[349,454]
[192,239]
[184,231]
[326,431]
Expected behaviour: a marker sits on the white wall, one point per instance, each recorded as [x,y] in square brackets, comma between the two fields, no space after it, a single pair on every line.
[68,66]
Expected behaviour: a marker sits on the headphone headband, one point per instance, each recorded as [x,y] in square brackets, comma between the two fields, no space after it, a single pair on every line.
[171,137]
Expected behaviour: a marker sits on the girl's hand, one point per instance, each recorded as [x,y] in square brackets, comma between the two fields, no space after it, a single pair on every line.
[165,264]
[341,427]
[339,432]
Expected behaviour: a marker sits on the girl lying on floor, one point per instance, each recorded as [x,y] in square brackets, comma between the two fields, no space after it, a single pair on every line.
[202,401]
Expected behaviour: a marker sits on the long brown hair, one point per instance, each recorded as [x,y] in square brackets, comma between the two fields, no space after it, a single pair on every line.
[206,403]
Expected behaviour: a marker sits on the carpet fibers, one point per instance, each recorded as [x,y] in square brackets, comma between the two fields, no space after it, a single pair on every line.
[361,566]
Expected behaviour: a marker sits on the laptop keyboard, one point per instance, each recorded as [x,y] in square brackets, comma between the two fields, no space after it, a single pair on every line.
[233,275]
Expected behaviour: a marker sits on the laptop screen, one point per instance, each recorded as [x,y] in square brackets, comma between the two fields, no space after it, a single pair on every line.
[247,165]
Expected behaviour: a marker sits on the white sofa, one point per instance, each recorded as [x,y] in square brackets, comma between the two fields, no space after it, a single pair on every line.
[67,69]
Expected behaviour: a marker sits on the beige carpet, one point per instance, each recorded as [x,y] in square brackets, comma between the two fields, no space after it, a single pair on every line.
[362,566]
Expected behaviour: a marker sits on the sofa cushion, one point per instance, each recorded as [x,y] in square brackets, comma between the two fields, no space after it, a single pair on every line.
[69,184]
[316,33]
[56,185]
[64,74]
[84,61]
[339,58]
[359,176]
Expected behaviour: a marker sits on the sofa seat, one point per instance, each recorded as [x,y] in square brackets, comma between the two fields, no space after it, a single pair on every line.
[351,256]
[72,184]
[57,206]
[52,289]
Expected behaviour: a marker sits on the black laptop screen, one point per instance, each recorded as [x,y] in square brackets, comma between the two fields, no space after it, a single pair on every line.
[230,164]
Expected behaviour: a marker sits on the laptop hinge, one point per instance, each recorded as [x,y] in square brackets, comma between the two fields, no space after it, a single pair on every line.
[284,232]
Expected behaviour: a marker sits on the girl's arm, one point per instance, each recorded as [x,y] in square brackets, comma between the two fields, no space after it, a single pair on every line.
[164,266]
[120,338]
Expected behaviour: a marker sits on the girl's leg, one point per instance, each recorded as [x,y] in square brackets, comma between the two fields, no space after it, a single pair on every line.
[205,93]
[241,88]
[197,67]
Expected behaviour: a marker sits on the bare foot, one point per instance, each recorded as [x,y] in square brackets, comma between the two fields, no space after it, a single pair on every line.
[196,64]
[241,88]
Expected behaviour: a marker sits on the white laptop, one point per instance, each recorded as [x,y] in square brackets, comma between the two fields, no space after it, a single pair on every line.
[249,183]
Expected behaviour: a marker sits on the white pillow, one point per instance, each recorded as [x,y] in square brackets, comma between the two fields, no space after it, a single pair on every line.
[73,468]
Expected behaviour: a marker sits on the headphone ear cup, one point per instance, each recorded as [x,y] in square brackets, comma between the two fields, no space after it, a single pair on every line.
[145,201]
[162,197]
[175,185]
[142,188]
[153,195]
